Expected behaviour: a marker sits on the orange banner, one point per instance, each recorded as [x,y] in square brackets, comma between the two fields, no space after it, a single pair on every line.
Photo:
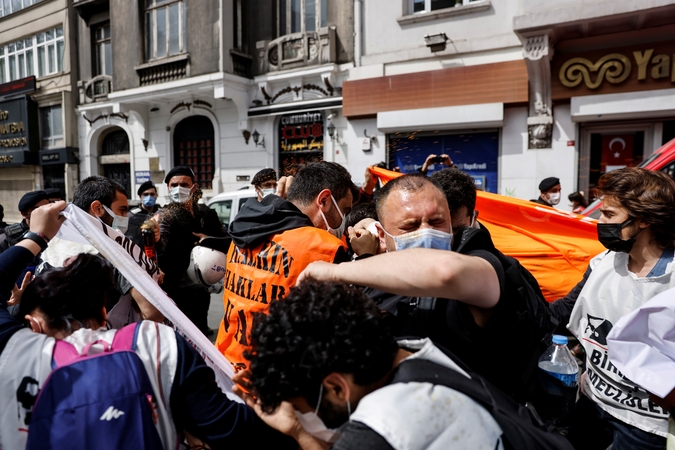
[554,245]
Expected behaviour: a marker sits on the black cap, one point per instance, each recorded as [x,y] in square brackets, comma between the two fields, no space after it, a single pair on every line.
[54,193]
[179,170]
[548,183]
[263,176]
[145,186]
[30,199]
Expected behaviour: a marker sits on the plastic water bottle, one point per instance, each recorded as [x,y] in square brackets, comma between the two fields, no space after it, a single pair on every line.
[558,379]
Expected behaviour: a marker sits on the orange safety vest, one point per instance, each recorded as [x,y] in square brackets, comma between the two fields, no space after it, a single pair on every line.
[256,277]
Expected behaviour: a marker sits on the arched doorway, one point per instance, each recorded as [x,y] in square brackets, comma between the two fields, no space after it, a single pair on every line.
[115,157]
[193,146]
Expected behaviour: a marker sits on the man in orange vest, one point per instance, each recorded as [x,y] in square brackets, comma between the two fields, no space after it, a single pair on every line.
[274,240]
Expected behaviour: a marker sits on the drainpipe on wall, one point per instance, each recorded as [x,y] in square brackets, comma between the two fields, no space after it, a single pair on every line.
[357,33]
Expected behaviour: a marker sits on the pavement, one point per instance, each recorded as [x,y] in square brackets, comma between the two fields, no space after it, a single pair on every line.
[216,311]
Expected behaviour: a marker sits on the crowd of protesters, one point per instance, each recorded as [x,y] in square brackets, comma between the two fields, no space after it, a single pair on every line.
[379,317]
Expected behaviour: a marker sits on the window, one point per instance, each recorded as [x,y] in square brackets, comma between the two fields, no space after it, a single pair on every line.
[39,55]
[193,146]
[165,28]
[224,211]
[8,7]
[103,50]
[419,6]
[51,121]
[295,16]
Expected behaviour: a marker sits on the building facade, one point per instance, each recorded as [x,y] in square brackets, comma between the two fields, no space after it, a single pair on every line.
[227,87]
[606,71]
[38,76]
[514,91]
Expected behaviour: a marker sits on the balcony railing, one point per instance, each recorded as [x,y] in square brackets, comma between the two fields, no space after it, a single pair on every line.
[312,48]
[161,71]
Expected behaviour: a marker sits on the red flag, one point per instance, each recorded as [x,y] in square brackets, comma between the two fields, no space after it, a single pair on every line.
[617,151]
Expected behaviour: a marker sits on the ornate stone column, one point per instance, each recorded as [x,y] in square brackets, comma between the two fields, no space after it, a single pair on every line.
[538,60]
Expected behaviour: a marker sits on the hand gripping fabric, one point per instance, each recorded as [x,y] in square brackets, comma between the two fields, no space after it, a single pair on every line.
[103,401]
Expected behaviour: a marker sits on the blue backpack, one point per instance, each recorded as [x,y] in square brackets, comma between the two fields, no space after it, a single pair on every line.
[103,401]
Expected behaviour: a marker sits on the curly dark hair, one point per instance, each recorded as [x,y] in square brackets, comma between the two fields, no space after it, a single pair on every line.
[320,328]
[458,187]
[647,195]
[77,291]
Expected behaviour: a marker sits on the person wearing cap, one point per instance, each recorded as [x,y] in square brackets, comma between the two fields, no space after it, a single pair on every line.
[549,192]
[54,195]
[148,207]
[265,183]
[181,227]
[28,203]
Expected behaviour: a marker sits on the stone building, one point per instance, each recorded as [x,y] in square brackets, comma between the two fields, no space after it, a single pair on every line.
[38,84]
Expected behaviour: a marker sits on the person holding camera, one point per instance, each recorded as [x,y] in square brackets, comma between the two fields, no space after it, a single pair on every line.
[435,159]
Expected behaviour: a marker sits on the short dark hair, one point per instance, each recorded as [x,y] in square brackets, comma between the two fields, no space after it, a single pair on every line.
[360,212]
[320,328]
[317,176]
[119,188]
[95,188]
[411,182]
[647,195]
[77,291]
[458,187]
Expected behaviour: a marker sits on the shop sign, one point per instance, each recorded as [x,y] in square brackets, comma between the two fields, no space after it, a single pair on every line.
[22,86]
[11,158]
[628,69]
[301,132]
[142,176]
[65,155]
[18,125]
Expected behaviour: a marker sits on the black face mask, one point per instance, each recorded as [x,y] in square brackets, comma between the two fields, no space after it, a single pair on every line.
[609,235]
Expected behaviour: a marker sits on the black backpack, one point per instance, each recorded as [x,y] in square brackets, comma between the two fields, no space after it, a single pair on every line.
[534,316]
[527,309]
[520,426]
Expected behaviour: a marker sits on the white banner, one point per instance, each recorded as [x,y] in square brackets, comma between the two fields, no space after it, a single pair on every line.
[131,261]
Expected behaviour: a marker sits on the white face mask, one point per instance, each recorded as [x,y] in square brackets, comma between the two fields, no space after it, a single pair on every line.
[120,223]
[313,424]
[474,222]
[422,238]
[339,230]
[179,194]
[265,192]
[554,198]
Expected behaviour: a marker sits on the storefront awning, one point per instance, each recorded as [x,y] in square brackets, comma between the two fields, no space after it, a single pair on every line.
[629,105]
[489,115]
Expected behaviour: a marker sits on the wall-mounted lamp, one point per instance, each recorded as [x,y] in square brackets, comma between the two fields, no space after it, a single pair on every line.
[145,144]
[247,135]
[256,137]
[331,130]
[436,42]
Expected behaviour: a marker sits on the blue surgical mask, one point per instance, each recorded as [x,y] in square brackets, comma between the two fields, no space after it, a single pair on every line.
[422,238]
[149,201]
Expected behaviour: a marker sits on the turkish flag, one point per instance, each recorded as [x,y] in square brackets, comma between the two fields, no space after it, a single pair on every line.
[617,150]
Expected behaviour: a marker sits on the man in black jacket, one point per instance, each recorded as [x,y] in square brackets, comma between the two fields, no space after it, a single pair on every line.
[183,223]
[138,215]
